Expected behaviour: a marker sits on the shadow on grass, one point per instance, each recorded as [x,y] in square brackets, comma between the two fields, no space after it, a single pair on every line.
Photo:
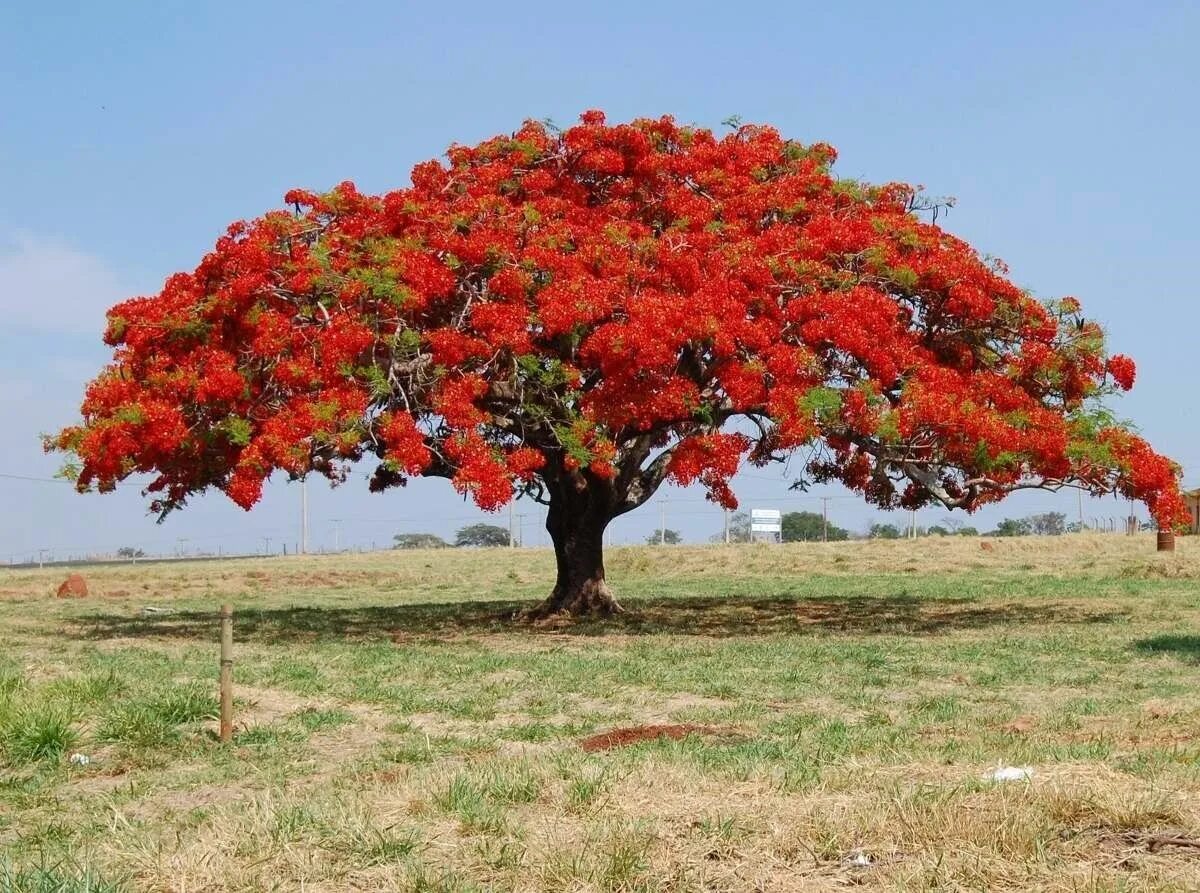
[699,616]
[1182,646]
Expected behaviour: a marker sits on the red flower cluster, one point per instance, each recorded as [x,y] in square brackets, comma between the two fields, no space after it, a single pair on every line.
[570,304]
[1122,370]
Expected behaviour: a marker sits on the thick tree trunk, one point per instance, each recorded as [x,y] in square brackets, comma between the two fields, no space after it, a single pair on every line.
[576,525]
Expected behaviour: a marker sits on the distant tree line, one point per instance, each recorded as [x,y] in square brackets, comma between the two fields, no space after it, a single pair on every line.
[1044,524]
[471,535]
[797,527]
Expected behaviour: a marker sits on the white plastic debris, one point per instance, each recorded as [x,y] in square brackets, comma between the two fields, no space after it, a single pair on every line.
[79,759]
[857,859]
[1010,773]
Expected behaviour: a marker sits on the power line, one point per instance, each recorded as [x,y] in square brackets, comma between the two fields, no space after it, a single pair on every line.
[40,480]
[23,477]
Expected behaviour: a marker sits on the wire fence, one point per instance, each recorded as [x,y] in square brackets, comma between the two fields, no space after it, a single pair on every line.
[688,517]
[523,527]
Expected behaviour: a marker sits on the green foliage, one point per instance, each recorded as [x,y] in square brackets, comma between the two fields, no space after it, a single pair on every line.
[117,326]
[406,342]
[424,541]
[573,444]
[1013,527]
[810,527]
[237,430]
[884,532]
[1044,524]
[69,470]
[1085,425]
[153,720]
[313,719]
[59,877]
[33,733]
[666,537]
[383,282]
[377,381]
[549,372]
[904,277]
[481,535]
[822,403]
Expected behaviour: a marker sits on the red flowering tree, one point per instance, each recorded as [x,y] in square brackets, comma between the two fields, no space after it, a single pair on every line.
[576,316]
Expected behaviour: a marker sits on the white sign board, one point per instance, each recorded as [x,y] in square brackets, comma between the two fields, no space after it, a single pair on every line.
[766,521]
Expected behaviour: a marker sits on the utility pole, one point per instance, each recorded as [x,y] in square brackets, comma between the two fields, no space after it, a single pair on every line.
[337,534]
[303,516]
[512,543]
[824,519]
[662,522]
[727,527]
[1079,493]
[267,550]
[912,526]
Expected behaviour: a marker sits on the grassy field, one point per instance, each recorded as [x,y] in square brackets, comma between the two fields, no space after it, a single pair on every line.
[396,731]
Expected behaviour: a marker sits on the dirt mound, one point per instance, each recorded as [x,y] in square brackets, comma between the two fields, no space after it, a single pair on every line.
[75,586]
[636,734]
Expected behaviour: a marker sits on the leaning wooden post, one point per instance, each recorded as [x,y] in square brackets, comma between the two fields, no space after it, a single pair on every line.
[226,672]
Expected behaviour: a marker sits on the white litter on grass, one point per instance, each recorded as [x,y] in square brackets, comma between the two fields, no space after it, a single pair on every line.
[857,859]
[1010,773]
[79,759]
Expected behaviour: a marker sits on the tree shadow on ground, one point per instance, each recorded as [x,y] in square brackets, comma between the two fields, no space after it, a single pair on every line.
[698,616]
[1180,645]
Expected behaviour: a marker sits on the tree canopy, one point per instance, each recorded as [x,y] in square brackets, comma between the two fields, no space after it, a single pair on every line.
[481,535]
[419,541]
[884,532]
[578,315]
[810,526]
[664,537]
[1013,527]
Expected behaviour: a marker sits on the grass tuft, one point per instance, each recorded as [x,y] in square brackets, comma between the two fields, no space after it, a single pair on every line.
[60,877]
[37,733]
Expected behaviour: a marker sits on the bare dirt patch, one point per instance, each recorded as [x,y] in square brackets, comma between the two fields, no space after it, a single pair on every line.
[631,735]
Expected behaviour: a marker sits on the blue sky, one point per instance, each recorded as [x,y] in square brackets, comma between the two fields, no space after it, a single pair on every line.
[132,133]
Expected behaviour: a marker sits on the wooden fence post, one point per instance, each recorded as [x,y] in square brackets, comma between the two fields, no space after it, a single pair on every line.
[226,672]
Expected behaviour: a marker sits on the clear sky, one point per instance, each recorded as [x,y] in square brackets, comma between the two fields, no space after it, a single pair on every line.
[132,133]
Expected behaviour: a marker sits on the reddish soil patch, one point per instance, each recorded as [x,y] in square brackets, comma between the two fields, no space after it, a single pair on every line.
[635,734]
[1022,725]
[73,587]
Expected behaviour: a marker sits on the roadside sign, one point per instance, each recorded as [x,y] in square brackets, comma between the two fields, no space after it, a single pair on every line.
[766,521]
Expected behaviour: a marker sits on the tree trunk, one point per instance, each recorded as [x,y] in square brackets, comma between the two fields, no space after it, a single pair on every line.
[576,522]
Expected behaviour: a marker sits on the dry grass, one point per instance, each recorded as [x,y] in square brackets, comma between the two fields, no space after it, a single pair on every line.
[398,732]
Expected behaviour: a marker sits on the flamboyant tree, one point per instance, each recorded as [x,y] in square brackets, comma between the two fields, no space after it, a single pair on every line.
[577,316]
